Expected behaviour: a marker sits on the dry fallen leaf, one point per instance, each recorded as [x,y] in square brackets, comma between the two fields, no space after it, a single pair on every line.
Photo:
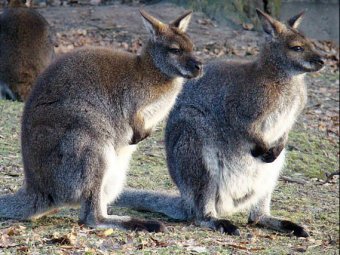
[242,247]
[68,239]
[248,26]
[108,232]
[6,241]
[22,250]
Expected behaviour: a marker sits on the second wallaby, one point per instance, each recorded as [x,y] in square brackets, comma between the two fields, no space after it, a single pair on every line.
[225,137]
[86,114]
[26,48]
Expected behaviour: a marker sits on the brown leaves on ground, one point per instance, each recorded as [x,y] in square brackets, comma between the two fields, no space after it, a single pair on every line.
[65,239]
[76,38]
[7,238]
[330,51]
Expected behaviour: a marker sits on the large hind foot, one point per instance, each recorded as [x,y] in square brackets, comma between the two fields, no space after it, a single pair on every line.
[260,215]
[126,223]
[285,226]
[95,216]
[142,225]
[221,225]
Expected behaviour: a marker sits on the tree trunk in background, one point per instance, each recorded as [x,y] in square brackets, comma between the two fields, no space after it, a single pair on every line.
[236,11]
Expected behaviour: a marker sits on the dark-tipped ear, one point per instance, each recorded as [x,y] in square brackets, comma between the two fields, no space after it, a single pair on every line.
[152,25]
[182,22]
[295,21]
[270,25]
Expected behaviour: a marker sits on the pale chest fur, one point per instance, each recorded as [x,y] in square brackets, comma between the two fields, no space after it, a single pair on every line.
[281,120]
[159,109]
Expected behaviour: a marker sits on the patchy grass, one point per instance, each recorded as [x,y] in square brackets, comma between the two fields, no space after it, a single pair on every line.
[9,133]
[312,204]
[311,155]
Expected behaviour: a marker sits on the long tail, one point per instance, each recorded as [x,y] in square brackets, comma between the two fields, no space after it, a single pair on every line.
[23,205]
[169,204]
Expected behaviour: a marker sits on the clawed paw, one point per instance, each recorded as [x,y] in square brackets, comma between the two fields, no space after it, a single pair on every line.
[268,157]
[225,226]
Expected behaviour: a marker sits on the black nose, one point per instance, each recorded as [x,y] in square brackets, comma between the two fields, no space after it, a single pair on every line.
[318,60]
[195,64]
[198,66]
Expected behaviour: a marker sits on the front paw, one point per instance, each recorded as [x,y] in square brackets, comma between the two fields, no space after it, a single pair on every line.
[257,151]
[139,136]
[269,156]
[225,226]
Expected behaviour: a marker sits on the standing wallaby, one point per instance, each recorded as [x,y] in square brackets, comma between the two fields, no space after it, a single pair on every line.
[83,117]
[26,48]
[213,132]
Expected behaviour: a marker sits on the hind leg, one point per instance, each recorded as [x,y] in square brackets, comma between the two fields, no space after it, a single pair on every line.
[93,214]
[260,215]
[105,189]
[194,170]
[211,165]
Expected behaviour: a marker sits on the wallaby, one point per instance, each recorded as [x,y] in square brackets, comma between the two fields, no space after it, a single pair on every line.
[212,133]
[26,47]
[84,117]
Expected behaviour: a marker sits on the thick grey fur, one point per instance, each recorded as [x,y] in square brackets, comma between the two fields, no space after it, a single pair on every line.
[83,117]
[214,126]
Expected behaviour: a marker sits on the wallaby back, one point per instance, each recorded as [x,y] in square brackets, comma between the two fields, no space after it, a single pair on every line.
[26,47]
[218,123]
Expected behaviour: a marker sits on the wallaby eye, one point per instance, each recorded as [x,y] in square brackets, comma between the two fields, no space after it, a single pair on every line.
[176,51]
[297,48]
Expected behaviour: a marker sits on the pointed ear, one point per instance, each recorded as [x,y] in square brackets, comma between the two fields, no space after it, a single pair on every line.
[29,3]
[182,22]
[295,21]
[152,25]
[270,25]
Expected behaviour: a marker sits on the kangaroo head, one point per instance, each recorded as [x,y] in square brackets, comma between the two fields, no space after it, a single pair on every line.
[171,48]
[288,47]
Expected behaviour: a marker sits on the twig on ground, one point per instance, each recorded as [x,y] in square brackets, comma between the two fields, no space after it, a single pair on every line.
[12,174]
[329,176]
[289,179]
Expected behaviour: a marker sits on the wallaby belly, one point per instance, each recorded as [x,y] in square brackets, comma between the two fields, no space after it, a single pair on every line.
[117,163]
[244,181]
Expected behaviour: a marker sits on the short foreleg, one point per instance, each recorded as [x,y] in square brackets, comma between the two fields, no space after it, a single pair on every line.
[139,131]
[269,155]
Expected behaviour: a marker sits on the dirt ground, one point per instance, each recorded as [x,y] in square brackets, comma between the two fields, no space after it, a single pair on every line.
[301,194]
